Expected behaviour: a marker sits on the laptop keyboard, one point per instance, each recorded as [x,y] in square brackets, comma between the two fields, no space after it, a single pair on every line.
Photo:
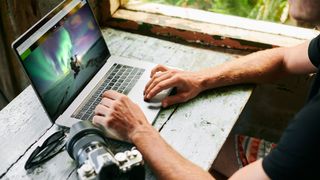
[120,78]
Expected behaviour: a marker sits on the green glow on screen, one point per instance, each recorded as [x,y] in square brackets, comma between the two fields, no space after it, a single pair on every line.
[64,52]
[41,64]
[25,54]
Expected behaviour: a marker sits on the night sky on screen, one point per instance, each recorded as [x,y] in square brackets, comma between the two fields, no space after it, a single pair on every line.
[50,61]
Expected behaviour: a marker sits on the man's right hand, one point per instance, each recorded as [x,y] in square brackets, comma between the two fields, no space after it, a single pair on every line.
[188,84]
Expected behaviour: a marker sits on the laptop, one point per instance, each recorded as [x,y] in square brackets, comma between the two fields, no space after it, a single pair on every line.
[69,65]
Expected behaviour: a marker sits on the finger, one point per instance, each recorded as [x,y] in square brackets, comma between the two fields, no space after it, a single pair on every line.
[101,110]
[170,100]
[168,83]
[111,94]
[99,120]
[156,81]
[158,68]
[149,82]
[106,102]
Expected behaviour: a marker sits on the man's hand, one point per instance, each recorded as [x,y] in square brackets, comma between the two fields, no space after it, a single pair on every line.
[188,84]
[118,114]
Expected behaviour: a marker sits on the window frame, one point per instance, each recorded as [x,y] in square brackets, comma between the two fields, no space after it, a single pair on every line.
[202,27]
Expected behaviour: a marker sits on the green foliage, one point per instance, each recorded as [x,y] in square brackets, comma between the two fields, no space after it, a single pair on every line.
[257,9]
[271,10]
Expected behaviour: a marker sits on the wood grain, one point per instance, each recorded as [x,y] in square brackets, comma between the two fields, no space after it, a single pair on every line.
[23,122]
[203,33]
[196,129]
[224,20]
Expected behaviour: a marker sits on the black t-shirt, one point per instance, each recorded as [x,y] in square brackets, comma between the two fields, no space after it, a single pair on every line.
[297,155]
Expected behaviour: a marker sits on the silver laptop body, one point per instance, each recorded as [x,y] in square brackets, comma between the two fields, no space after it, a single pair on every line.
[67,60]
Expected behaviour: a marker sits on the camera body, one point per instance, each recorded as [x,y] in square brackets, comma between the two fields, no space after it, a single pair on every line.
[87,146]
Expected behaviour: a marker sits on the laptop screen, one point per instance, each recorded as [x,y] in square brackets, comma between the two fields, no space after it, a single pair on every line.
[62,53]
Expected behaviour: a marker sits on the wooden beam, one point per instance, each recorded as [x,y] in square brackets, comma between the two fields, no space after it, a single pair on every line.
[198,32]
[104,9]
[114,5]
[224,20]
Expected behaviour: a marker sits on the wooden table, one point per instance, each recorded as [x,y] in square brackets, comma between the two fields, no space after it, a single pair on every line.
[196,129]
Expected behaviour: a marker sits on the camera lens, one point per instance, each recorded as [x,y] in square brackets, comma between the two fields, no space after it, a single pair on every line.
[87,146]
[83,138]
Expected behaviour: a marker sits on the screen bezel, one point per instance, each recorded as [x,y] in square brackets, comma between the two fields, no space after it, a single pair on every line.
[32,31]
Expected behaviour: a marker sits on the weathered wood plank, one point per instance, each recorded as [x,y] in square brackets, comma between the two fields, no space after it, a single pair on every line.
[114,5]
[23,121]
[223,20]
[197,32]
[199,128]
[194,124]
[60,167]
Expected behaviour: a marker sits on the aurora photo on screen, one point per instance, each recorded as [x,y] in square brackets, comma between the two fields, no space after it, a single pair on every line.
[64,59]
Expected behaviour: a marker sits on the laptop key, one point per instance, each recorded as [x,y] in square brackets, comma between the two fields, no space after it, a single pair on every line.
[115,88]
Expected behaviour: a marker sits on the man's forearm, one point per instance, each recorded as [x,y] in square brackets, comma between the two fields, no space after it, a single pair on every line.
[165,162]
[252,171]
[262,66]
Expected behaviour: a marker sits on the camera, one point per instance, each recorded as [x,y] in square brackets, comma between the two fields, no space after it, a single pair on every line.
[88,146]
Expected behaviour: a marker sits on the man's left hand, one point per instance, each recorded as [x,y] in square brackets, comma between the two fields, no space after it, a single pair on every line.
[118,114]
